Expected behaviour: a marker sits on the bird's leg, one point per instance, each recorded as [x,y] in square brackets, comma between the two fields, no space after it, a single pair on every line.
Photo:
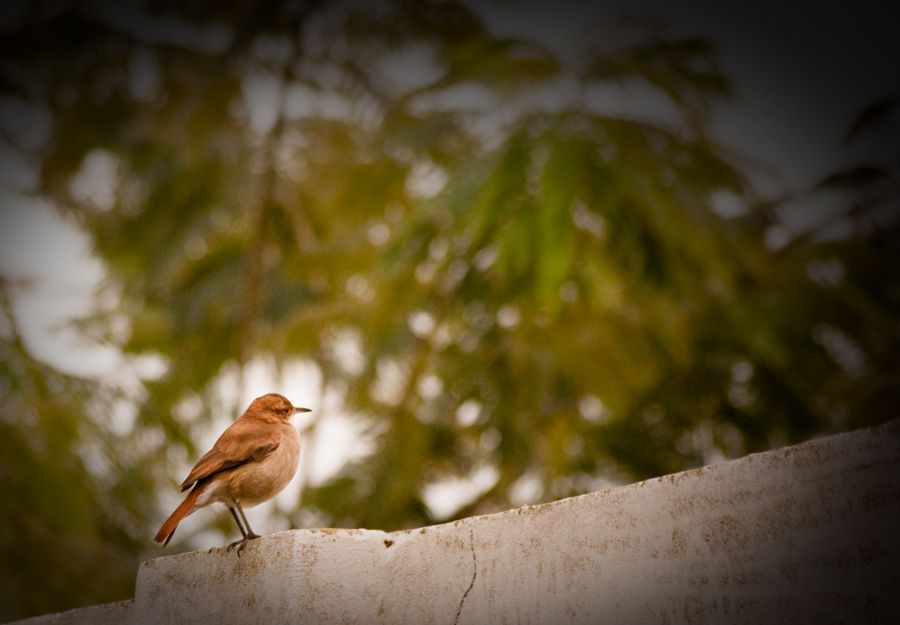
[238,543]
[237,520]
[249,534]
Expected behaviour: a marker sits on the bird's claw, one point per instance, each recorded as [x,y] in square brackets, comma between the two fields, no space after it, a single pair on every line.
[240,544]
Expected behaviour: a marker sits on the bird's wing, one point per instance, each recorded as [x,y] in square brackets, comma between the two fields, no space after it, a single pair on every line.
[244,441]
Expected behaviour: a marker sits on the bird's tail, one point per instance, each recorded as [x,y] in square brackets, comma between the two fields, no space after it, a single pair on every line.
[165,533]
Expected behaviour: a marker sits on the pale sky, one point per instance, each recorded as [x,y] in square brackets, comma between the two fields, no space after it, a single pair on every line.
[801,69]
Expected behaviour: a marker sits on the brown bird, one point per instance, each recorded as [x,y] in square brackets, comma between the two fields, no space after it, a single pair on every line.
[254,458]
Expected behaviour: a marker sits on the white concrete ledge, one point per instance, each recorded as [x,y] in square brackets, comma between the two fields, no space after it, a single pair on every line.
[805,534]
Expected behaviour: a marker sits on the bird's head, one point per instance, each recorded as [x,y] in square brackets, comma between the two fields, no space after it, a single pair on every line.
[275,404]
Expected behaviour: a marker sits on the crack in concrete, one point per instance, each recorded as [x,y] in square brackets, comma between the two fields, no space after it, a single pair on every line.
[471,581]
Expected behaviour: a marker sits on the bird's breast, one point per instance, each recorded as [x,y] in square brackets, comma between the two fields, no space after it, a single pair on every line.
[259,481]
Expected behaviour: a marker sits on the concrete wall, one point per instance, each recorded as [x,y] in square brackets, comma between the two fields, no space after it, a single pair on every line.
[805,534]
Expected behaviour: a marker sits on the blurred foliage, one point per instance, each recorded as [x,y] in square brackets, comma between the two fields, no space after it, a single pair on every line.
[545,290]
[68,537]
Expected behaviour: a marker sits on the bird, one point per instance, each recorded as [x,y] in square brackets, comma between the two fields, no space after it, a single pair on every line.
[251,462]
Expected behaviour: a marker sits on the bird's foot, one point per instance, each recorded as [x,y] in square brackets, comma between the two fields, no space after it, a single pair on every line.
[240,544]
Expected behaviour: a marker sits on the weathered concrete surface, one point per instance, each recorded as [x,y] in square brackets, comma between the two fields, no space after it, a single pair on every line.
[805,534]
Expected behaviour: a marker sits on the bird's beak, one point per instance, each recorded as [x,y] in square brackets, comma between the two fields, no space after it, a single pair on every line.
[296,409]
